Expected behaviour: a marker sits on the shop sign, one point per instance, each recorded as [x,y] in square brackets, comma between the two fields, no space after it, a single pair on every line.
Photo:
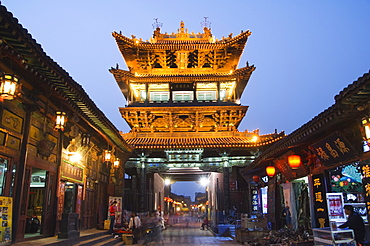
[320,205]
[182,86]
[333,149]
[72,172]
[365,171]
[254,195]
[6,204]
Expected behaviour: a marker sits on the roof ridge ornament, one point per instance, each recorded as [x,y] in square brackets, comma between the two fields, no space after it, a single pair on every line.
[205,23]
[157,24]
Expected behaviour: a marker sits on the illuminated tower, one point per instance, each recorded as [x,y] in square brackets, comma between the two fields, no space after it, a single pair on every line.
[183,93]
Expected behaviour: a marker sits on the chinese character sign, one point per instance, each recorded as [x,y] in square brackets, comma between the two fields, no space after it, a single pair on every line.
[319,201]
[255,199]
[333,149]
[365,172]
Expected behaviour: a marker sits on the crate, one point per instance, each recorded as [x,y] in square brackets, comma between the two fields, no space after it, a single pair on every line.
[106,224]
[128,239]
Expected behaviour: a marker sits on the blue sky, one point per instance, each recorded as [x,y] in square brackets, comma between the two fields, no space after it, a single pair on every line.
[305,52]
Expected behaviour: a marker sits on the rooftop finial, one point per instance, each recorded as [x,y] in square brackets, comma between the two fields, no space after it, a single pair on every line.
[157,24]
[206,23]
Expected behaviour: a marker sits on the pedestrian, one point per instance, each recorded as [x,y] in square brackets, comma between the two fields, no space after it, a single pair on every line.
[158,220]
[354,222]
[287,216]
[112,216]
[205,222]
[135,224]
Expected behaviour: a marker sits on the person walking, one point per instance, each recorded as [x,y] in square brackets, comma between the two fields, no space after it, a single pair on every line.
[135,225]
[112,216]
[354,222]
[287,216]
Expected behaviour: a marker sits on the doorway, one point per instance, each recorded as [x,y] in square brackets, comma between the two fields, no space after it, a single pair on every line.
[35,203]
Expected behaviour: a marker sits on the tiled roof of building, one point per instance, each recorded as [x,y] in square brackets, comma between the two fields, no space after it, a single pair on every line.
[201,142]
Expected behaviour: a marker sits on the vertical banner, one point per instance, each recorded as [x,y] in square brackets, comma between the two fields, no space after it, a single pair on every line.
[61,194]
[319,200]
[118,220]
[365,171]
[79,200]
[255,199]
[6,204]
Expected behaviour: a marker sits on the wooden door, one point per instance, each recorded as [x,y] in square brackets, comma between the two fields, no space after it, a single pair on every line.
[24,204]
[49,211]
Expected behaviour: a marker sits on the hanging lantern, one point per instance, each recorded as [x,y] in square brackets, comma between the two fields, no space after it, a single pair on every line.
[270,171]
[85,139]
[107,155]
[60,121]
[294,161]
[8,86]
[256,178]
[116,163]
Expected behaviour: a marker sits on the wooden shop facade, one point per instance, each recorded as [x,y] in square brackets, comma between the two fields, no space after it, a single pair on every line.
[53,175]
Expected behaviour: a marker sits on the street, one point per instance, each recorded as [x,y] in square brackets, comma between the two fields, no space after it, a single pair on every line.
[190,233]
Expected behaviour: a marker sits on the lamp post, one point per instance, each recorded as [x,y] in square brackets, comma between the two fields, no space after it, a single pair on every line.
[167,189]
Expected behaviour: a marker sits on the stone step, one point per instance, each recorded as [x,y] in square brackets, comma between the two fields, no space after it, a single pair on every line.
[106,240]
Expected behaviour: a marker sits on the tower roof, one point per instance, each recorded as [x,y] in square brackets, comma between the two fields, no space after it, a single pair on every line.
[213,55]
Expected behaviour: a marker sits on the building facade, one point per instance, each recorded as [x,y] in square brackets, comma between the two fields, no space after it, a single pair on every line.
[333,149]
[53,177]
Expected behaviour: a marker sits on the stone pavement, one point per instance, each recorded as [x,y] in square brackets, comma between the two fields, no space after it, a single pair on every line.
[180,234]
[190,234]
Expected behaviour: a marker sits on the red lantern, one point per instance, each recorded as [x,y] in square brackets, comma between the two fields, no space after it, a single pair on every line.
[270,171]
[256,178]
[294,161]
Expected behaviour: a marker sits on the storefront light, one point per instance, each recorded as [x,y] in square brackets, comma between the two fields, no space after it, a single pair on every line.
[75,157]
[366,125]
[9,85]
[107,155]
[256,178]
[116,163]
[60,121]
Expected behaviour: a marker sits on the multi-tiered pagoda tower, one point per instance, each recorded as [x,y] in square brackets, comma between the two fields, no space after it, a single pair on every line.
[183,93]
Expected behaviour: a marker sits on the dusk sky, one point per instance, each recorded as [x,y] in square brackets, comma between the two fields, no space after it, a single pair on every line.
[305,52]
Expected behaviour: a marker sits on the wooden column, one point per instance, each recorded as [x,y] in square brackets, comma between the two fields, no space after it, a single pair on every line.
[19,211]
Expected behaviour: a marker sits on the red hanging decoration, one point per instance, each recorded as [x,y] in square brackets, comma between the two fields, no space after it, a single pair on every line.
[270,171]
[294,161]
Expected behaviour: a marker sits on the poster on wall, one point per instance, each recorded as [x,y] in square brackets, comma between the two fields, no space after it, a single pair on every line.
[335,206]
[6,219]
[118,219]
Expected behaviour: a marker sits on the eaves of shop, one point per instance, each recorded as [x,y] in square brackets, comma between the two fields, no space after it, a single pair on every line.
[351,105]
[35,60]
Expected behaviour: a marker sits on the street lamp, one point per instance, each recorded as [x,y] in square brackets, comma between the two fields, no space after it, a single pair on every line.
[167,184]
